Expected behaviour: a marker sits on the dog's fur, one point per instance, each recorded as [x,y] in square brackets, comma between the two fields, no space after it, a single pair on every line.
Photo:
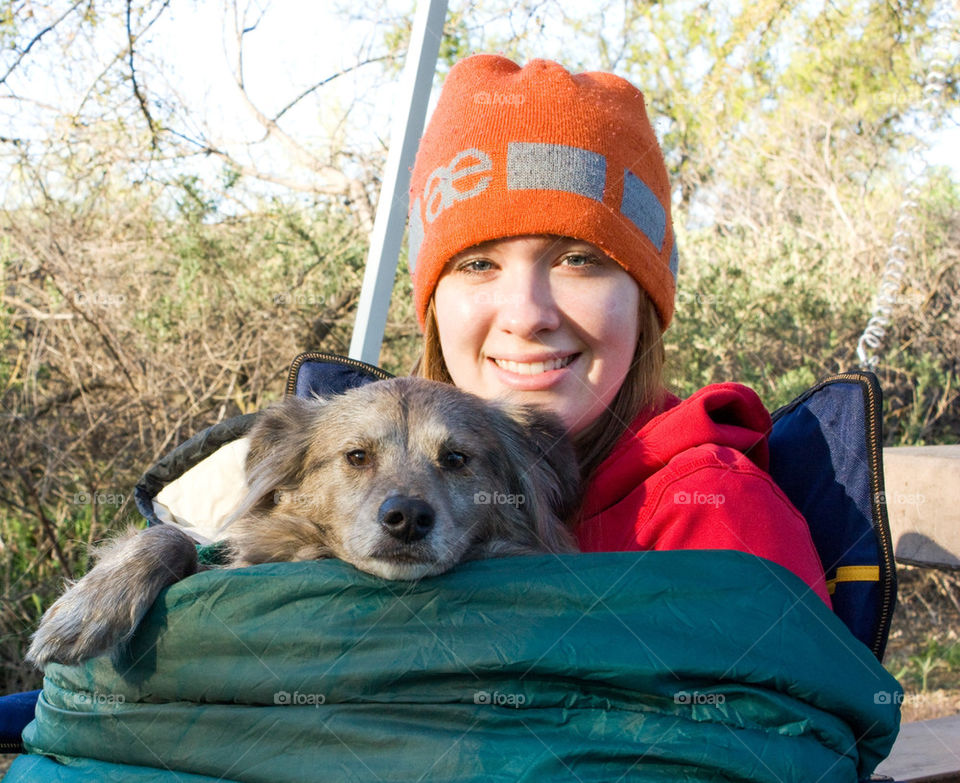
[391,477]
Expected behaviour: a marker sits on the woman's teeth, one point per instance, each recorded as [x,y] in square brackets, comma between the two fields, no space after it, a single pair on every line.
[534,368]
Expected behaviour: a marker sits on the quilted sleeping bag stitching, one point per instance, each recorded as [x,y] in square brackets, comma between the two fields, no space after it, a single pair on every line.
[653,666]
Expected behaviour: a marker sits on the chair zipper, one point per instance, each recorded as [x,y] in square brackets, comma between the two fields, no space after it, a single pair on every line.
[310,356]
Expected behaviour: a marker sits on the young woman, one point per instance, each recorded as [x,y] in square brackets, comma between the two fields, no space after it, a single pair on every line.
[544,267]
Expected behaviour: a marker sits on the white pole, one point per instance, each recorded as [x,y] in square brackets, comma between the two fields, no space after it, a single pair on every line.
[387,236]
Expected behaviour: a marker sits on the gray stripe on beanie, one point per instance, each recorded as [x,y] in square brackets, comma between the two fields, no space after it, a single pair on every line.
[535,166]
[674,260]
[644,210]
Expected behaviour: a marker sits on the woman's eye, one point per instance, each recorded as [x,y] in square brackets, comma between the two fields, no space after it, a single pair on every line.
[580,259]
[475,266]
[453,460]
[358,458]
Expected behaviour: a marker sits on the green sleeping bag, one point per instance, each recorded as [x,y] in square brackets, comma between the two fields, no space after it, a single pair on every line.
[623,666]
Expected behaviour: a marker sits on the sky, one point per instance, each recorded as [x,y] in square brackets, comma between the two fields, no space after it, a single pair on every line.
[294,45]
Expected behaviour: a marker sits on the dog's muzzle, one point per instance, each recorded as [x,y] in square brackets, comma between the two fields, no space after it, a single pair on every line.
[406,519]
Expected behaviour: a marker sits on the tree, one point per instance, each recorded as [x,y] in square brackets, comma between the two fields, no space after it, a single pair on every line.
[90,86]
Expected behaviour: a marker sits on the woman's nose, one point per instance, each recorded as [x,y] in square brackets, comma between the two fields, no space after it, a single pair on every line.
[526,306]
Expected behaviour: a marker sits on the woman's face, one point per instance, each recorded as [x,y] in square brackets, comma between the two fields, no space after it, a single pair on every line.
[546,320]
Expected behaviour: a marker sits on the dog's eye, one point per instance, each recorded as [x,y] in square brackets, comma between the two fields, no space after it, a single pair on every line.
[358,458]
[453,460]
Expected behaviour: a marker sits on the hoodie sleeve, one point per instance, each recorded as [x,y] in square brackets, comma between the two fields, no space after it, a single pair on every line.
[715,498]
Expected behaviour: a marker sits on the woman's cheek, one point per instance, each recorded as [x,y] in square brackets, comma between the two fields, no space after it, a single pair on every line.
[621,322]
[606,312]
[455,301]
[461,313]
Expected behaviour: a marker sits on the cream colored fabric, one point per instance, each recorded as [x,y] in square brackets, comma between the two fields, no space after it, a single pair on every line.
[205,495]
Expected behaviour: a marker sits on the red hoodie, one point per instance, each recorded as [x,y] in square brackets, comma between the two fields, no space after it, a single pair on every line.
[694,476]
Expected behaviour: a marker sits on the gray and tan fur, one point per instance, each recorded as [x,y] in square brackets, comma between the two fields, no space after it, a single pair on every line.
[403,478]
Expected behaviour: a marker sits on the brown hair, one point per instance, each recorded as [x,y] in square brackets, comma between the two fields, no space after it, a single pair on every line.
[642,387]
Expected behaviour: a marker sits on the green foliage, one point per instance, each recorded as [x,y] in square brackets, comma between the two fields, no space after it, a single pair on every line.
[762,310]
[32,575]
[935,664]
[926,662]
[919,369]
[770,76]
[778,307]
[7,22]
[455,44]
[148,329]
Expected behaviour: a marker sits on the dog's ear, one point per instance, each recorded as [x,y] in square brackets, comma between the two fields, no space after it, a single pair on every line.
[280,436]
[544,465]
[279,440]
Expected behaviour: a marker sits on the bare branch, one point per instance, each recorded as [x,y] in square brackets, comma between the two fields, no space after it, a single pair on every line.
[49,527]
[256,24]
[342,186]
[133,73]
[37,37]
[326,81]
[110,342]
[339,183]
[119,56]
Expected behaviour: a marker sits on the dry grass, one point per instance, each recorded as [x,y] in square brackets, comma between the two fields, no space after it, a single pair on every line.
[925,637]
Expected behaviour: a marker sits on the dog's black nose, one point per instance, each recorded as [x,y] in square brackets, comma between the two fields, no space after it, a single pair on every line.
[406,519]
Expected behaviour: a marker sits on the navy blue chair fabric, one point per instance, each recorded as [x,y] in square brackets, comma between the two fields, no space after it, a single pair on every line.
[16,711]
[826,455]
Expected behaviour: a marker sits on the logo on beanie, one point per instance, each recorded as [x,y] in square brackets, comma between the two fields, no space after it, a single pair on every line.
[498,99]
[441,190]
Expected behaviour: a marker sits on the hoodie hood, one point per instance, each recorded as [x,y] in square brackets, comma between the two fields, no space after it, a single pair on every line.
[722,415]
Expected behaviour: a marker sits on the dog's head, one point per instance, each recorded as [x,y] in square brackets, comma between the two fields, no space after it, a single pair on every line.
[405,478]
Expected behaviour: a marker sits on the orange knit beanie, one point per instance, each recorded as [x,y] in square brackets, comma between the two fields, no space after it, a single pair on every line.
[538,150]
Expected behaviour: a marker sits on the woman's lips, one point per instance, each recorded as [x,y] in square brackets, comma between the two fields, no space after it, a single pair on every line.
[534,368]
[532,376]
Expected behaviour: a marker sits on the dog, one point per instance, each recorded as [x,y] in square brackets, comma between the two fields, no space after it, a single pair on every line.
[403,478]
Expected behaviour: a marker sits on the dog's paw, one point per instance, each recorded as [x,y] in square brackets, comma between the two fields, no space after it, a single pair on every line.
[102,610]
[69,633]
